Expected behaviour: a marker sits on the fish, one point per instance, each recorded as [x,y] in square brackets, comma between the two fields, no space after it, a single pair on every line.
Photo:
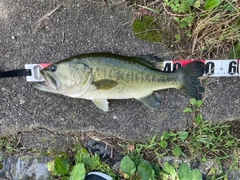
[102,76]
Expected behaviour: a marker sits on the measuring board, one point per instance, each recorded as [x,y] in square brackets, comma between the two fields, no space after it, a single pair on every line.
[214,68]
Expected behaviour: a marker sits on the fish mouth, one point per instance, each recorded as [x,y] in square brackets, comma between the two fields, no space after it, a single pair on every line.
[52,81]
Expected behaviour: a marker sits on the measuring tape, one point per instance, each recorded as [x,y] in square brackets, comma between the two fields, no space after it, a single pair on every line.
[214,68]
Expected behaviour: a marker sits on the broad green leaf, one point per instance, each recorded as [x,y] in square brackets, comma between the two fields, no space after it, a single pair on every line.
[189,19]
[188,110]
[198,103]
[183,135]
[164,176]
[184,172]
[198,119]
[185,5]
[127,165]
[145,171]
[135,159]
[81,155]
[61,167]
[163,144]
[196,174]
[186,21]
[157,170]
[176,19]
[197,4]
[210,4]
[91,162]
[170,170]
[183,24]
[143,161]
[50,166]
[177,151]
[65,178]
[193,101]
[165,135]
[78,172]
[204,159]
[174,139]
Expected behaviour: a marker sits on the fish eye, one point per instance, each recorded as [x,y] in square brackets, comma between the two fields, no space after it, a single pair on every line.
[53,68]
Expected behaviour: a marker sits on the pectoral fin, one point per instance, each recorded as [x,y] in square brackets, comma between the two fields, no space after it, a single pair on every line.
[101,103]
[105,84]
[152,101]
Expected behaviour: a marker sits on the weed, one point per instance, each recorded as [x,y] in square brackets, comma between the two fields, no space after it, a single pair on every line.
[9,144]
[202,141]
[235,53]
[147,29]
[138,168]
[216,29]
[62,167]
[212,141]
[181,6]
[183,172]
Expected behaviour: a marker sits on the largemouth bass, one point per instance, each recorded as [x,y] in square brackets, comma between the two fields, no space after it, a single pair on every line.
[102,76]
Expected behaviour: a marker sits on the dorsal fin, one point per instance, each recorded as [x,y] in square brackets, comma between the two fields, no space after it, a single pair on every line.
[153,60]
[150,61]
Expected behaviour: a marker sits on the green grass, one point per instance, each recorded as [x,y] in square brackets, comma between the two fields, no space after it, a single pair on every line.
[202,29]
[147,29]
[202,142]
[9,144]
[76,167]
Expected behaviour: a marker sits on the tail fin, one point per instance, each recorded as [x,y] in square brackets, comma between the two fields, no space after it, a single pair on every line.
[189,77]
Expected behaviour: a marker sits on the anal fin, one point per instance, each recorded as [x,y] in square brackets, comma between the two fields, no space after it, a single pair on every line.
[152,101]
[101,103]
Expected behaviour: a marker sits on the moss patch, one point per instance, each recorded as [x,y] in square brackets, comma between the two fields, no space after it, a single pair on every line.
[147,29]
